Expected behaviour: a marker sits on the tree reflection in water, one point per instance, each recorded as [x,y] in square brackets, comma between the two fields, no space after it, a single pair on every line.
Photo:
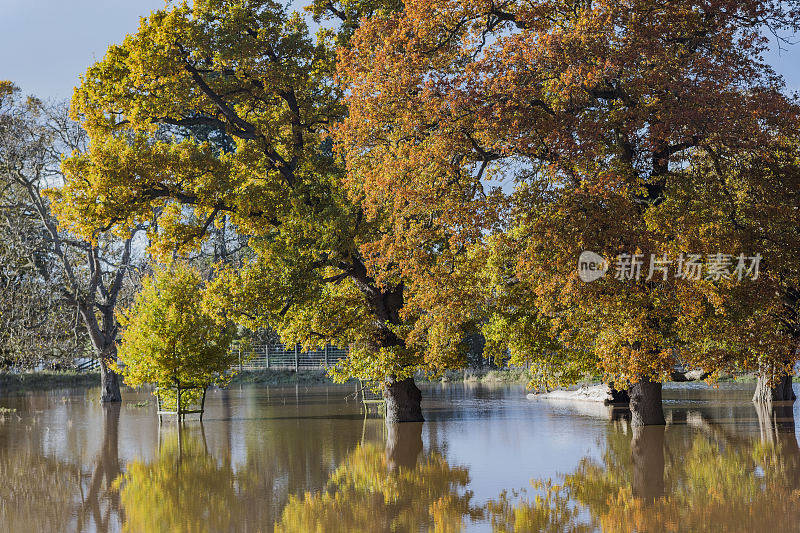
[375,488]
[699,473]
[394,489]
[183,489]
[101,499]
[42,492]
[28,478]
[654,479]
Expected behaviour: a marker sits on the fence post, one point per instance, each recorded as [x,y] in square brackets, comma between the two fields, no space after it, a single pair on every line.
[326,354]
[266,353]
[297,357]
[239,351]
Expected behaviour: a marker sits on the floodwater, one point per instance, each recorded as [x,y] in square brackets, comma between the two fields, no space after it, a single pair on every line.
[487,459]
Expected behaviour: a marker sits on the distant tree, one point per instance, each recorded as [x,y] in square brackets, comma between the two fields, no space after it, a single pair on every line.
[89,276]
[37,325]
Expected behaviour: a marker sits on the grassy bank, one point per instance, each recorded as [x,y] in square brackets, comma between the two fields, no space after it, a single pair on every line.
[311,377]
[471,375]
[46,380]
[51,380]
[281,377]
[289,377]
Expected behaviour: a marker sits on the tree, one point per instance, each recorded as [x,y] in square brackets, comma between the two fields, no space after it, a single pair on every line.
[590,112]
[33,312]
[92,273]
[34,318]
[748,201]
[169,341]
[248,71]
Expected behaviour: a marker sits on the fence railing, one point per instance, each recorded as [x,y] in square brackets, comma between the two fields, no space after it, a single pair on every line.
[261,356]
[284,357]
[87,365]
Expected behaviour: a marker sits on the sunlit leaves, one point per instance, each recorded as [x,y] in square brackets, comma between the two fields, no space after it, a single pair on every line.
[591,113]
[168,341]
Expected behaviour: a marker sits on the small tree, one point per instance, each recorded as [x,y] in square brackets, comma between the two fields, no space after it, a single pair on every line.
[169,341]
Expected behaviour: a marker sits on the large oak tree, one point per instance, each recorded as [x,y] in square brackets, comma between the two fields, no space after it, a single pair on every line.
[248,72]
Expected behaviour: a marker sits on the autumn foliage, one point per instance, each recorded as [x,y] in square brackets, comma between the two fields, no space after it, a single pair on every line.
[426,170]
[169,341]
[216,110]
[617,127]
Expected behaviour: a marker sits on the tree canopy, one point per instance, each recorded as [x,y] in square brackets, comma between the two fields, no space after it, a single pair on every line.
[168,340]
[252,74]
[629,129]
[63,290]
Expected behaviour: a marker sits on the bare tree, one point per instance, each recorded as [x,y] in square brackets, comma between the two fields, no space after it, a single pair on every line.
[94,275]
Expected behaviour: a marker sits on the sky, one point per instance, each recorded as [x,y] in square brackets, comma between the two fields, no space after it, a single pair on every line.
[45,45]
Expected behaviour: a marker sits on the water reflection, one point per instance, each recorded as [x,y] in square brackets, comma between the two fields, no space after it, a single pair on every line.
[42,492]
[666,479]
[184,489]
[393,490]
[101,499]
[303,459]
[29,479]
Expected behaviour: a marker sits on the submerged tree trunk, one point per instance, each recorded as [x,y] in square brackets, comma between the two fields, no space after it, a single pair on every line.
[109,381]
[646,408]
[647,458]
[403,401]
[776,422]
[781,391]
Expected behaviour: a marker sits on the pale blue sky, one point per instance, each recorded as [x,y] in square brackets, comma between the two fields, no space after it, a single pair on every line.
[46,44]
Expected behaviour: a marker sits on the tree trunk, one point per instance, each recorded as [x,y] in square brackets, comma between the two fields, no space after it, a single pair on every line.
[403,445]
[618,397]
[403,401]
[646,409]
[780,392]
[647,457]
[109,382]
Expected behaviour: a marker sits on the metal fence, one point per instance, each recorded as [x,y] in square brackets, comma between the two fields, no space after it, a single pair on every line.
[85,364]
[258,357]
[279,356]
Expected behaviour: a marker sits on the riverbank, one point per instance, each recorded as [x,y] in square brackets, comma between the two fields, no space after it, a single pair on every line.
[46,380]
[482,375]
[51,380]
[320,377]
[281,377]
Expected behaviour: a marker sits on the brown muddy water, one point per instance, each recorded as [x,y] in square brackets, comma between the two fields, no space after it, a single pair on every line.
[487,459]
